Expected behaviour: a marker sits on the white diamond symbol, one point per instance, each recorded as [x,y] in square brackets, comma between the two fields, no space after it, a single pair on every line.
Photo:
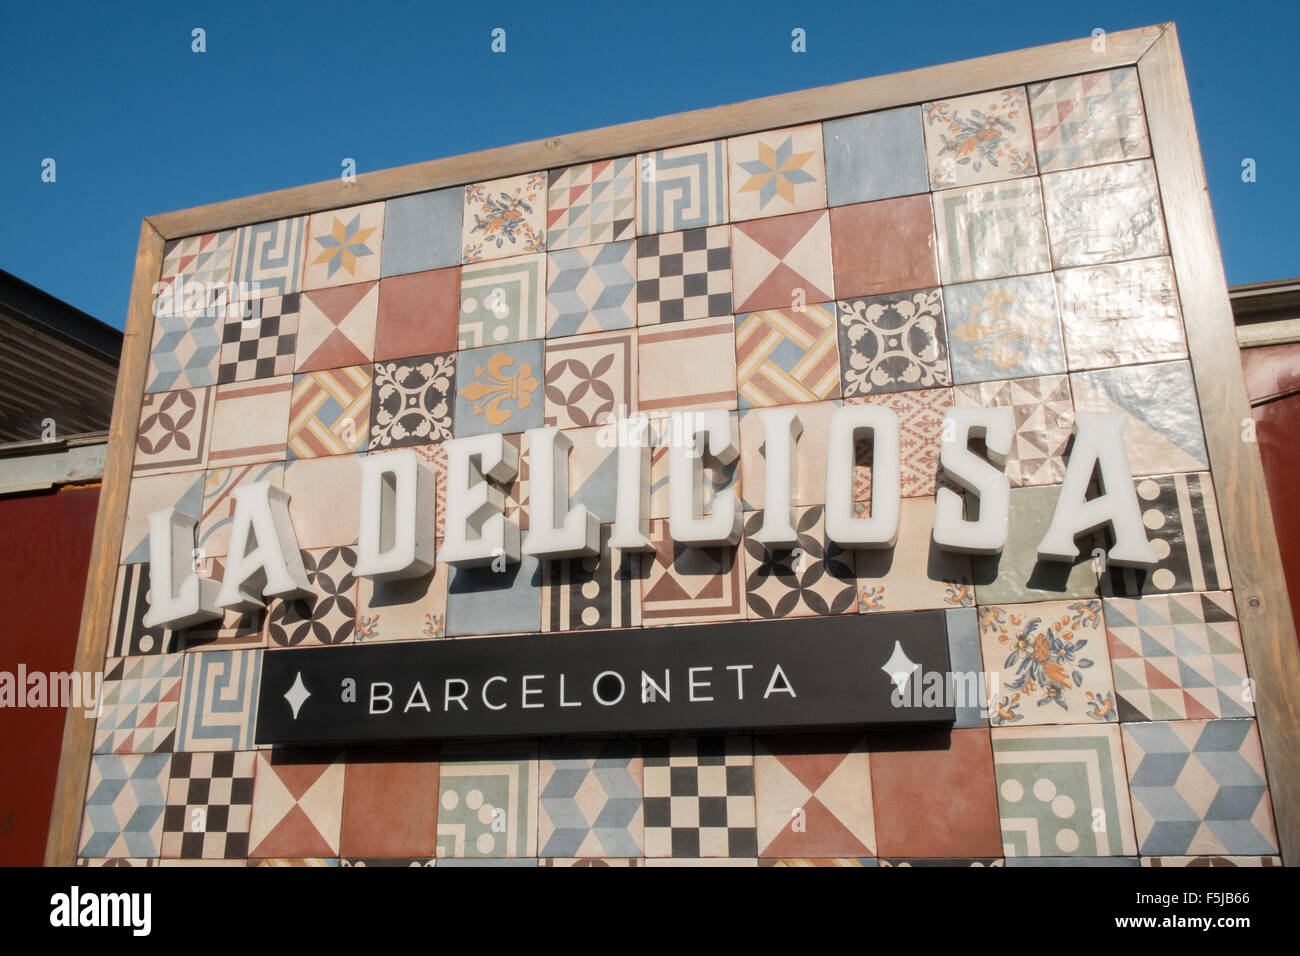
[297,695]
[899,667]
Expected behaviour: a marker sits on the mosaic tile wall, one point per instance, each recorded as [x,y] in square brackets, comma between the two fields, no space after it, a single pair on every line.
[1006,248]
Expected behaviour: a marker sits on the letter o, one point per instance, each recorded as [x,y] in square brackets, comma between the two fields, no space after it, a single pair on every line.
[595,688]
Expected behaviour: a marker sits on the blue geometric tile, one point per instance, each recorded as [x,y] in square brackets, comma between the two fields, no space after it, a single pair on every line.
[591,289]
[271,255]
[681,188]
[219,700]
[125,799]
[591,801]
[422,232]
[186,350]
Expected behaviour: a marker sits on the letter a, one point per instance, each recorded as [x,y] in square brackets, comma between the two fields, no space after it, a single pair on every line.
[272,566]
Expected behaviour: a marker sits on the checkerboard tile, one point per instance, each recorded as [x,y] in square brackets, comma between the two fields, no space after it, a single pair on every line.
[336,327]
[787,356]
[330,412]
[591,289]
[209,806]
[1093,118]
[343,246]
[683,275]
[681,188]
[782,261]
[591,203]
[505,217]
[412,401]
[776,172]
[262,345]
[699,798]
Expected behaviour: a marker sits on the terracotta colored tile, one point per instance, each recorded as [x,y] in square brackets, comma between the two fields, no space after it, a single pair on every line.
[783,261]
[813,796]
[336,327]
[343,246]
[297,803]
[390,802]
[920,430]
[417,314]
[884,246]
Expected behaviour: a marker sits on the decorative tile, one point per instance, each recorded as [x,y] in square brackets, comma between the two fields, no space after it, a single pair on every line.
[343,246]
[250,422]
[591,203]
[209,806]
[591,289]
[324,500]
[920,431]
[590,802]
[403,610]
[687,365]
[1120,314]
[219,503]
[776,172]
[815,578]
[687,584]
[262,344]
[1104,214]
[234,629]
[947,861]
[186,350]
[378,781]
[219,700]
[1093,118]
[297,803]
[915,573]
[183,491]
[590,379]
[890,343]
[421,232]
[330,412]
[782,261]
[205,261]
[719,479]
[127,634]
[1044,420]
[505,217]
[809,487]
[484,601]
[1198,788]
[173,433]
[590,861]
[592,593]
[1019,862]
[990,231]
[435,456]
[1212,861]
[498,389]
[312,862]
[681,188]
[786,356]
[418,314]
[979,138]
[121,861]
[336,327]
[488,801]
[885,246]
[269,258]
[125,798]
[813,796]
[411,403]
[502,301]
[593,471]
[140,704]
[329,616]
[864,861]
[475,863]
[699,798]
[1003,328]
[967,664]
[1162,432]
[389,862]
[1178,657]
[683,275]
[1048,664]
[875,156]
[1062,791]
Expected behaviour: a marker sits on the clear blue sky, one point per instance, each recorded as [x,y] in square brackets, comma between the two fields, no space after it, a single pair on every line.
[138,124]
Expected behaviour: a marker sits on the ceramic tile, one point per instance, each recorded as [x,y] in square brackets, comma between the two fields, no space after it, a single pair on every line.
[1047,664]
[1124,313]
[183,491]
[250,422]
[516,492]
[324,496]
[591,289]
[310,862]
[484,601]
[421,232]
[874,156]
[502,301]
[687,365]
[1212,861]
[947,861]
[1044,421]
[809,486]
[219,700]
[590,379]
[593,471]
[776,172]
[590,800]
[297,803]
[119,861]
[390,862]
[813,796]
[786,356]
[209,806]
[475,863]
[1181,519]
[979,138]
[920,430]
[915,573]
[1178,657]
[990,231]
[412,401]
[269,258]
[1198,787]
[681,188]
[403,610]
[815,578]
[718,478]
[1093,118]
[140,704]
[1019,862]
[687,584]
[884,246]
[498,389]
[218,514]
[1162,431]
[261,344]
[125,798]
[1003,328]
[343,246]
[234,629]
[505,217]
[1104,214]
[488,801]
[591,203]
[127,634]
[967,664]
[330,412]
[699,798]
[891,343]
[709,862]
[592,593]
[435,455]
[205,261]
[933,794]
[379,780]
[861,861]
[173,432]
[336,326]
[418,314]
[186,350]
[781,262]
[590,861]
[1062,792]
[329,616]
[1016,576]
[683,275]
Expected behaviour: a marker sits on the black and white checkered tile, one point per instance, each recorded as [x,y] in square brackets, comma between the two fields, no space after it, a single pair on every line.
[209,806]
[261,344]
[683,275]
[699,798]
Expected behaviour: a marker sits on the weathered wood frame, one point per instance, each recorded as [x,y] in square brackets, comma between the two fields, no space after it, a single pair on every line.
[1265,614]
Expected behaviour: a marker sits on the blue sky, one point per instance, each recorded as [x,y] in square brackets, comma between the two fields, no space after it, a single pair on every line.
[138,124]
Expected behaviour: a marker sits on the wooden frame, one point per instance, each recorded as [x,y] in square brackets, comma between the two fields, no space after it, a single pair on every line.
[1268,632]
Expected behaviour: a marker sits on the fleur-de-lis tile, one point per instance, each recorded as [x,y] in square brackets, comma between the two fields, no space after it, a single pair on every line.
[499,389]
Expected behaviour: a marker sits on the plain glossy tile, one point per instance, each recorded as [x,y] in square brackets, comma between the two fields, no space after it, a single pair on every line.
[874,156]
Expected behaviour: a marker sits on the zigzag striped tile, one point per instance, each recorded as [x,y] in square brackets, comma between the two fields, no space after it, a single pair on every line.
[1044,419]
[813,796]
[488,801]
[336,327]
[782,262]
[776,172]
[269,258]
[681,188]
[219,700]
[506,217]
[141,704]
[590,800]
[186,350]
[590,379]
[125,799]
[591,289]
[502,302]
[591,203]
[1093,118]
[330,413]
[786,356]
[690,584]
[343,247]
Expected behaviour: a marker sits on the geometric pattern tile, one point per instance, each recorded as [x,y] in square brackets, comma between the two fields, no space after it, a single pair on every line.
[269,258]
[1093,118]
[199,261]
[263,344]
[336,327]
[692,584]
[1212,861]
[234,629]
[718,479]
[329,616]
[776,172]
[344,246]
[687,365]
[683,275]
[219,700]
[186,350]
[209,806]
[502,301]
[250,421]
[1104,214]
[330,412]
[499,389]
[979,139]
[590,800]
[412,401]
[591,203]
[505,217]
[127,634]
[920,430]
[874,156]
[699,797]
[815,578]
[591,289]
[1124,313]
[783,261]
[1044,419]
[787,356]
[592,593]
[297,803]
[991,230]
[488,801]
[1004,328]
[813,796]
[681,188]
[125,799]
[174,430]
[140,704]
[182,491]
[893,342]
[591,379]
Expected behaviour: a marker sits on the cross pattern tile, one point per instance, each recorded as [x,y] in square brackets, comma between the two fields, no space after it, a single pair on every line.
[412,401]
[699,798]
[330,412]
[816,578]
[336,326]
[782,261]
[329,616]
[590,379]
[174,431]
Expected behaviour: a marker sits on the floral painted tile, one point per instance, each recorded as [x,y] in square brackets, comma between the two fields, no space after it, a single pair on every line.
[140,704]
[591,289]
[813,796]
[787,356]
[699,798]
[683,275]
[329,616]
[204,262]
[776,172]
[590,800]
[1044,421]
[874,156]
[596,592]
[1178,657]
[883,246]
[488,801]
[418,314]
[505,217]
[127,635]
[183,491]
[783,261]
[1124,313]
[343,246]
[890,343]
[487,601]
[591,203]
[411,403]
[681,188]
[330,412]
[979,138]
[590,379]
[173,432]
[817,577]
[263,343]
[809,486]
[409,609]
[269,258]
[1088,119]
[914,574]
[219,504]
[324,500]
[920,431]
[687,365]
[990,231]
[209,806]
[1198,788]
[336,326]
[499,389]
[297,803]
[125,799]
[250,422]
[1003,328]
[186,350]
[719,479]
[686,584]
[1104,214]
[219,700]
[375,781]
[421,232]
[502,301]
[1047,664]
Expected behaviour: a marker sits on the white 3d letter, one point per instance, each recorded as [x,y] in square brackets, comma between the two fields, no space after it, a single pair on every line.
[548,472]
[273,566]
[880,530]
[171,542]
[398,515]
[632,507]
[781,430]
[952,531]
[476,528]
[712,429]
